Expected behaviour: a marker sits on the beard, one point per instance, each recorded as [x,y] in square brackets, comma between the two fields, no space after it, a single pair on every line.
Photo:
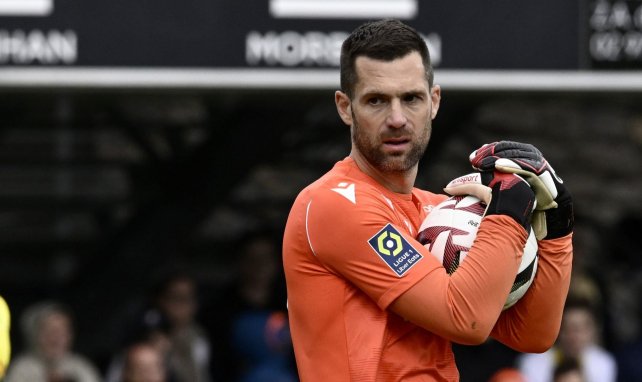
[370,148]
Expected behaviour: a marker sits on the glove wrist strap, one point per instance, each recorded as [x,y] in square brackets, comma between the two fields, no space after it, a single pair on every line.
[559,221]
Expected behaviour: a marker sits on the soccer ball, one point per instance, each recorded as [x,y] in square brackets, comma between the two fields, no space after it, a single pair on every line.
[450,229]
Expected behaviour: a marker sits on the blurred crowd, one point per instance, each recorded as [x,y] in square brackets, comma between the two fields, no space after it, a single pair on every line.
[174,336]
[242,334]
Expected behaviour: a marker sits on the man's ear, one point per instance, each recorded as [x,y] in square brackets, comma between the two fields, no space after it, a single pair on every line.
[435,99]
[344,107]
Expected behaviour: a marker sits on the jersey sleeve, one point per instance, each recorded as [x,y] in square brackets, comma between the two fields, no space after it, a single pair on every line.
[465,306]
[364,242]
[533,323]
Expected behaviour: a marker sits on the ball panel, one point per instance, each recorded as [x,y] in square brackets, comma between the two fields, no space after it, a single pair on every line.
[450,229]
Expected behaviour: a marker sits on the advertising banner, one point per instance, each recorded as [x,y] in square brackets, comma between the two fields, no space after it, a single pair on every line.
[279,33]
[546,44]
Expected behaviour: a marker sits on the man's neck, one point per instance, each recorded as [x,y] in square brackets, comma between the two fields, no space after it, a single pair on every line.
[400,182]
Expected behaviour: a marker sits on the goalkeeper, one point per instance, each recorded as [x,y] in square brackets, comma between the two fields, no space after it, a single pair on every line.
[367,301]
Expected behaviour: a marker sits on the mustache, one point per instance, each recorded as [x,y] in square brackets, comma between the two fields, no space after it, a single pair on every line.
[398,133]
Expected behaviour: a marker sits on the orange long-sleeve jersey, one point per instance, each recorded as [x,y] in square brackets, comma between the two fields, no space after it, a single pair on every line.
[349,252]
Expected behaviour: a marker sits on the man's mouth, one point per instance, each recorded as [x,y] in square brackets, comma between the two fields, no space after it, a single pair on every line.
[396,142]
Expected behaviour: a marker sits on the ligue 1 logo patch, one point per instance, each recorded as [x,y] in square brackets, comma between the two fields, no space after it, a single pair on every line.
[394,250]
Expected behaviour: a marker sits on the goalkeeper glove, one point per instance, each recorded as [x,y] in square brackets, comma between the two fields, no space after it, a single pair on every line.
[554,215]
[504,194]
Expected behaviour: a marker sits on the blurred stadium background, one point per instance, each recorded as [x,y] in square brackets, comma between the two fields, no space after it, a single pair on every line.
[136,136]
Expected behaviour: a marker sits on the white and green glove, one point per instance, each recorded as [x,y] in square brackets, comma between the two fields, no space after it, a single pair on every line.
[553,216]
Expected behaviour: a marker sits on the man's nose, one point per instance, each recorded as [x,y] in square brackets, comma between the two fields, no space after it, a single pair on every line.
[397,117]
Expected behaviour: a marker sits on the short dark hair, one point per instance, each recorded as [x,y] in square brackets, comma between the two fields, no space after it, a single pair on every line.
[387,40]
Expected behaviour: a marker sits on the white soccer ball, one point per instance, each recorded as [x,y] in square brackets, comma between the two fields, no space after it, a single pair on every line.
[450,229]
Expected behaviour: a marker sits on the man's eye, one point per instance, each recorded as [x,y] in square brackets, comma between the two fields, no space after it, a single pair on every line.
[411,98]
[374,101]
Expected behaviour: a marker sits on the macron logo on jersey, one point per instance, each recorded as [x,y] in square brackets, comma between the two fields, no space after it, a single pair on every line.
[347,191]
[394,250]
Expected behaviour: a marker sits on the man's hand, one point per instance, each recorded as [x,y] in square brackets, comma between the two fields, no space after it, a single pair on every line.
[554,215]
[504,194]
[524,159]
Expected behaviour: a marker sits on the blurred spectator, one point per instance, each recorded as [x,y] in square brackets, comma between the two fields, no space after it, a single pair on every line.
[152,329]
[584,288]
[579,339]
[254,328]
[189,355]
[169,323]
[48,331]
[569,370]
[144,363]
[507,374]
